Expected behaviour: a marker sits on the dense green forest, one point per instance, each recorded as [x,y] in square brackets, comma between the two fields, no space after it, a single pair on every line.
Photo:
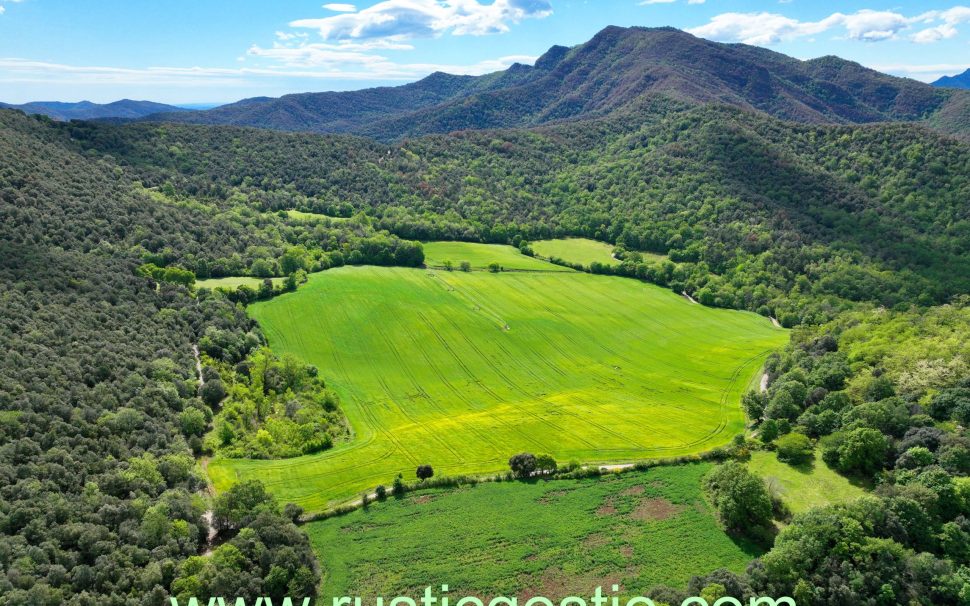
[791,221]
[858,235]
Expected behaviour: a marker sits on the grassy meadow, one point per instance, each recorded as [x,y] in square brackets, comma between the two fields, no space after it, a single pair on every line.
[583,251]
[805,486]
[549,538]
[480,256]
[300,215]
[234,282]
[461,370]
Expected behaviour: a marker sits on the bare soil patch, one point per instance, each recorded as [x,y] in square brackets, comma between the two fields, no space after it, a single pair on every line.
[655,510]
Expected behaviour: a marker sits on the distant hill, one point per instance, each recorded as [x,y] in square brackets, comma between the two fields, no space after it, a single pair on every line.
[958,81]
[613,71]
[86,110]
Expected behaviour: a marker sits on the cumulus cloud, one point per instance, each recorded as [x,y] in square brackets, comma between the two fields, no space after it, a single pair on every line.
[341,8]
[867,25]
[402,19]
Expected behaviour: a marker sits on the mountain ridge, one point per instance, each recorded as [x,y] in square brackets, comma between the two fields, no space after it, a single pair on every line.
[957,81]
[613,70]
[87,110]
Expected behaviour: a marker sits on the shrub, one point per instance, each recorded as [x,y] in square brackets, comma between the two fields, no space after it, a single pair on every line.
[795,449]
[424,472]
[740,497]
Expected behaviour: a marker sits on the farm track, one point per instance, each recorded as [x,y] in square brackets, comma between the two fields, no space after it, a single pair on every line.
[462,370]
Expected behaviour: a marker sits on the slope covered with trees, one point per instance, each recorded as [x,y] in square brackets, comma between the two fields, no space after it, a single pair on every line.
[788,220]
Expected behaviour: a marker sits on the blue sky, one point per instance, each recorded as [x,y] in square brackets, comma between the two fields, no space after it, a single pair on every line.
[198,51]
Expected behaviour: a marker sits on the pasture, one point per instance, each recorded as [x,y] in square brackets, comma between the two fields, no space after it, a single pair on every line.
[480,256]
[234,282]
[549,538]
[583,251]
[300,215]
[461,370]
[805,486]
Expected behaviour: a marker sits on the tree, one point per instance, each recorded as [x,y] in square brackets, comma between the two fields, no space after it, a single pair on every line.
[424,472]
[545,463]
[213,392]
[769,431]
[397,488]
[466,266]
[740,497]
[861,451]
[795,449]
[239,505]
[494,267]
[523,464]
[754,403]
[192,421]
[449,266]
[380,492]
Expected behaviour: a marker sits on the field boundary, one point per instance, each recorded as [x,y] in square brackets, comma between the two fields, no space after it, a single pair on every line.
[587,470]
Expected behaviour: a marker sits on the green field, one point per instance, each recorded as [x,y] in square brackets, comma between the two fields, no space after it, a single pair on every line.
[233,283]
[305,216]
[461,370]
[583,251]
[806,486]
[482,255]
[554,539]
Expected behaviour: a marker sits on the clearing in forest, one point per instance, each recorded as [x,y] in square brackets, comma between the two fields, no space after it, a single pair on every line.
[232,283]
[549,538]
[583,251]
[461,370]
[480,256]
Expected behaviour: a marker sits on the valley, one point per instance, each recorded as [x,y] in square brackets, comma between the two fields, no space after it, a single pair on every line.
[461,370]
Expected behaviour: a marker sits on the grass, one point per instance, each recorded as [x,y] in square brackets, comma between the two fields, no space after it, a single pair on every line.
[305,216]
[583,251]
[554,539]
[233,283]
[482,255]
[461,370]
[806,486]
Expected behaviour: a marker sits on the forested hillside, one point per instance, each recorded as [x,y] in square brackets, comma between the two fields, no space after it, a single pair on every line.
[100,495]
[788,220]
[611,72]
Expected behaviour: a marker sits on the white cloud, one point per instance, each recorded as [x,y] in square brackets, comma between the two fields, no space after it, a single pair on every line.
[950,18]
[341,8]
[647,2]
[331,67]
[403,19]
[926,72]
[2,10]
[866,25]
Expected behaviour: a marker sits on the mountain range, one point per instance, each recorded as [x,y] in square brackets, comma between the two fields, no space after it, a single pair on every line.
[86,110]
[614,71]
[958,81]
